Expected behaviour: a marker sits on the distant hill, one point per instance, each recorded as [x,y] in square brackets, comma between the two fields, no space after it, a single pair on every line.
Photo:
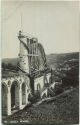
[53,60]
[66,67]
[12,61]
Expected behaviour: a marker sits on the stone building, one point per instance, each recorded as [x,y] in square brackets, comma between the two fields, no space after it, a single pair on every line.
[33,75]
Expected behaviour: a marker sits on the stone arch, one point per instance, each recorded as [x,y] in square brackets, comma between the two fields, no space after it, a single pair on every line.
[15,94]
[9,83]
[24,93]
[4,90]
[38,87]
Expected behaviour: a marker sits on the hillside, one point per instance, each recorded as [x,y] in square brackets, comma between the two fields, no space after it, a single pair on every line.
[54,60]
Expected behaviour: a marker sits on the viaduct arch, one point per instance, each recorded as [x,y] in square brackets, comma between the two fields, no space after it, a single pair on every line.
[14,94]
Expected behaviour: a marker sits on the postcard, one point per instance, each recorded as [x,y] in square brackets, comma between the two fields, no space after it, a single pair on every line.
[39,62]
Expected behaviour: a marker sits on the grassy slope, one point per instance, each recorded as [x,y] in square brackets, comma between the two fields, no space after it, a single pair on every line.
[63,110]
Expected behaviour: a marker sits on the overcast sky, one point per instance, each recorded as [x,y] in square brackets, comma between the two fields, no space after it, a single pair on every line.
[55,24]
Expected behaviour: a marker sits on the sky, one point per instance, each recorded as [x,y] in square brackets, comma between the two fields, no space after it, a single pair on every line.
[55,24]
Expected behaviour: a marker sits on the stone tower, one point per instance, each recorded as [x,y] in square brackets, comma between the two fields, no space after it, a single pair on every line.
[27,56]
[23,54]
[28,53]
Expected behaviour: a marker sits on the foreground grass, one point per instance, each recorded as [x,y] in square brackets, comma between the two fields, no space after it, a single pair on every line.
[62,110]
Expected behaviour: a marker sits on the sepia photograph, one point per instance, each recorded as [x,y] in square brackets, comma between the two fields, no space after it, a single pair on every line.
[39,62]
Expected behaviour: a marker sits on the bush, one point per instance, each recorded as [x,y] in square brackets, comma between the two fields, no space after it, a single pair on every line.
[58,89]
[34,98]
[71,79]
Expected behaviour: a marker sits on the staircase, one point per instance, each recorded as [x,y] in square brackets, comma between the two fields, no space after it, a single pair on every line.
[50,92]
[49,89]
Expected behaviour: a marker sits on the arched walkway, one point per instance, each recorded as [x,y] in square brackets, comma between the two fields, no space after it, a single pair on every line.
[4,99]
[15,95]
[24,94]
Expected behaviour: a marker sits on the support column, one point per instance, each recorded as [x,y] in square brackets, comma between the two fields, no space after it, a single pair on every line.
[20,97]
[33,48]
[9,102]
[26,94]
[37,48]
